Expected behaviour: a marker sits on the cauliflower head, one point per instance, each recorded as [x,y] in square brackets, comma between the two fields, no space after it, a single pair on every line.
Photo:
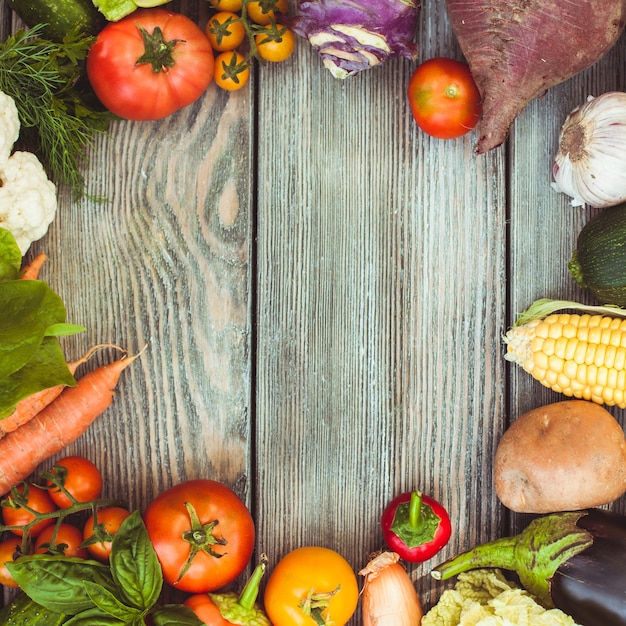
[484,597]
[9,126]
[28,199]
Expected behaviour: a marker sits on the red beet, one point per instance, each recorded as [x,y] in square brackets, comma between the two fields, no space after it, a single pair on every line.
[516,49]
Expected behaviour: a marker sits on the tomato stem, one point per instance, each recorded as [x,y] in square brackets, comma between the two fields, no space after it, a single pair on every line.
[316,603]
[157,51]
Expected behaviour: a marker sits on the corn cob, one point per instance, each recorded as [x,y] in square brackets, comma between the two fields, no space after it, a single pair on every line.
[579,355]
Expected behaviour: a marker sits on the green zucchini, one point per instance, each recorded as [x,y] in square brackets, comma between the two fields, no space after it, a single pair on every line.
[599,262]
[60,16]
[26,612]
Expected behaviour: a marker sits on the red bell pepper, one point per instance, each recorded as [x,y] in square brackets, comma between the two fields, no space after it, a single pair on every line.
[415,526]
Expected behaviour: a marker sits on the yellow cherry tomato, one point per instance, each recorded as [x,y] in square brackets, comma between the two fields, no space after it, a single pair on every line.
[231,71]
[225,31]
[262,11]
[226,5]
[275,48]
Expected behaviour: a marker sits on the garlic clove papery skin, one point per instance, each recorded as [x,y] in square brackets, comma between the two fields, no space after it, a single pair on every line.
[590,165]
[389,597]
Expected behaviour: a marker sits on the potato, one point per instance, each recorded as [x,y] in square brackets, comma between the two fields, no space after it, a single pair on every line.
[564,456]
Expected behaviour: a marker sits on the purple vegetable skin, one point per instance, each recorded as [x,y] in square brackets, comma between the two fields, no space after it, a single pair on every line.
[355,35]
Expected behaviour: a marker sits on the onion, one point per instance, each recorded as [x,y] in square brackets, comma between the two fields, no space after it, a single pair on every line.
[389,597]
[590,163]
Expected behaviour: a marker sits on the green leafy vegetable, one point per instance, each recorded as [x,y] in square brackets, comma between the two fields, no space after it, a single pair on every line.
[32,317]
[94,594]
[59,118]
[26,612]
[115,10]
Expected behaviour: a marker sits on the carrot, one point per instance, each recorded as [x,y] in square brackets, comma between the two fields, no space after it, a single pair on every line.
[31,271]
[30,406]
[59,424]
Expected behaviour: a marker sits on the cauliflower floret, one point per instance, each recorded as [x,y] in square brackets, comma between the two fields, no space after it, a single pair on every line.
[484,597]
[28,199]
[9,126]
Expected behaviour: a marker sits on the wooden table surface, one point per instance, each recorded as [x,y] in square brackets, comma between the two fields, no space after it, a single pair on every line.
[322,290]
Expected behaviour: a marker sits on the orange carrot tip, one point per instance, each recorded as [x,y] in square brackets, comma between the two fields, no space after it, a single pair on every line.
[31,271]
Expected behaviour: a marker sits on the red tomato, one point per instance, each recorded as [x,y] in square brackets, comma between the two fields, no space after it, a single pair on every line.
[67,541]
[206,610]
[8,549]
[83,481]
[109,520]
[319,575]
[444,98]
[138,84]
[203,535]
[37,499]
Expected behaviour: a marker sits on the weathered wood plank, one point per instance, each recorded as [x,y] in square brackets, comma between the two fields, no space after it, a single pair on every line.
[381,300]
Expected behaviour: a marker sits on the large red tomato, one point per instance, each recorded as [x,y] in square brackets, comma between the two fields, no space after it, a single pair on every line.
[150,64]
[203,535]
[444,99]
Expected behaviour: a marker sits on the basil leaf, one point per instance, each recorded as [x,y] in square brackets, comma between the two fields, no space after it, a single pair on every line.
[134,564]
[29,309]
[94,617]
[108,603]
[173,615]
[24,611]
[56,582]
[46,369]
[10,256]
[63,330]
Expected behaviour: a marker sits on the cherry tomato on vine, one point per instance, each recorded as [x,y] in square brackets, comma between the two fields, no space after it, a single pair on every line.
[108,519]
[225,31]
[264,11]
[275,47]
[150,64]
[203,535]
[83,481]
[38,500]
[444,98]
[226,5]
[67,541]
[8,548]
[231,70]
[318,576]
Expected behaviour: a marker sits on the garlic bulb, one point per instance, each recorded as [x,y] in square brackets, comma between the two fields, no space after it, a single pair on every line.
[590,165]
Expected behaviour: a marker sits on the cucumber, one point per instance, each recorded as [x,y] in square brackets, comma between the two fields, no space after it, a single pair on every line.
[60,16]
[26,612]
[599,262]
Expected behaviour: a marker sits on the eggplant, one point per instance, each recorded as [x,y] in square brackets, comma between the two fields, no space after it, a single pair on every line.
[574,561]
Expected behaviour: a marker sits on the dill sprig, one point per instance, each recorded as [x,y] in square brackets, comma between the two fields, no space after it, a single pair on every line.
[58,113]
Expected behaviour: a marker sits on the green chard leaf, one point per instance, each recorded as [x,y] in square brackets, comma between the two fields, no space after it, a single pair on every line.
[115,10]
[134,564]
[10,256]
[57,582]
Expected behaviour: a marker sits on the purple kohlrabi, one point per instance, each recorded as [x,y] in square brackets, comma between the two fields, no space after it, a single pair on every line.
[354,35]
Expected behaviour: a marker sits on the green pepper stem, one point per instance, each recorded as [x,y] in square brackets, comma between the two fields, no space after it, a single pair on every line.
[415,509]
[250,592]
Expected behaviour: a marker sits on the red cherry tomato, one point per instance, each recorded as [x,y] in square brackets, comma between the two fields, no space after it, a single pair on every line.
[37,499]
[8,549]
[67,541]
[203,535]
[83,481]
[444,98]
[137,84]
[109,520]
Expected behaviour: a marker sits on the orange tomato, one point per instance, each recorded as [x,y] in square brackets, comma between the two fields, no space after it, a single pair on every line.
[275,48]
[83,481]
[315,575]
[226,5]
[8,548]
[109,520]
[263,11]
[231,70]
[67,541]
[225,31]
[37,499]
